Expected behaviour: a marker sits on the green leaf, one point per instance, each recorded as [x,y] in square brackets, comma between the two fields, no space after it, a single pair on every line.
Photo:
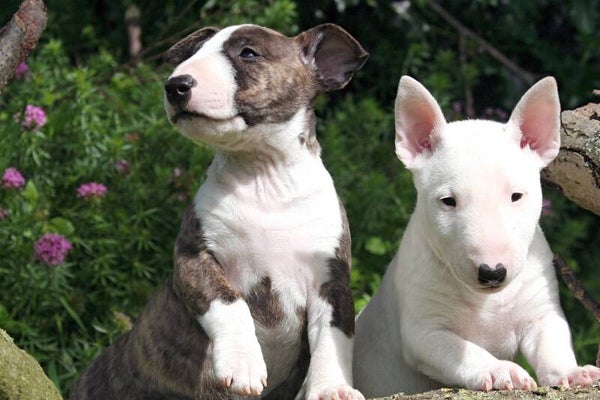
[30,193]
[377,246]
[72,313]
[62,226]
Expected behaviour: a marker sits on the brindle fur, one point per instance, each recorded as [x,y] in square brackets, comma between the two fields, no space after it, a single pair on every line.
[167,354]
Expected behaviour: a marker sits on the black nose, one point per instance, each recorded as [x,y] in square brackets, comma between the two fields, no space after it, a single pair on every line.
[178,90]
[491,277]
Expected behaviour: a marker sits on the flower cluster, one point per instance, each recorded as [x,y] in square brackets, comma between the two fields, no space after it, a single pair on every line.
[12,179]
[51,249]
[123,167]
[91,190]
[4,213]
[22,70]
[34,118]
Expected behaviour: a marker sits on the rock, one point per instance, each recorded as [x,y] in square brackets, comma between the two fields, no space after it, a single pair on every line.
[21,377]
[546,393]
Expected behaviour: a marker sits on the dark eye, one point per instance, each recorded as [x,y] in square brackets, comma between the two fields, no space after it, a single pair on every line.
[449,201]
[248,53]
[516,197]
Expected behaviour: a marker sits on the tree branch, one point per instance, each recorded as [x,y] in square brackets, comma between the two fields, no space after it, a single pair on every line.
[576,287]
[20,36]
[576,169]
[526,76]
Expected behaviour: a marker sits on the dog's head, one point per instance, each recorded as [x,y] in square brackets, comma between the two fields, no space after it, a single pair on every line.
[478,183]
[230,84]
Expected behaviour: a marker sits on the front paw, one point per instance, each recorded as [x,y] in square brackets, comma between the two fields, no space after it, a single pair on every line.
[584,376]
[239,366]
[504,375]
[341,392]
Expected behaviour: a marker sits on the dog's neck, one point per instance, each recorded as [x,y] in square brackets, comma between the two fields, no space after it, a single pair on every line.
[276,161]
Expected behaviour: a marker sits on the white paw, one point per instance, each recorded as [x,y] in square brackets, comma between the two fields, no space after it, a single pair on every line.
[504,375]
[341,392]
[579,376]
[239,365]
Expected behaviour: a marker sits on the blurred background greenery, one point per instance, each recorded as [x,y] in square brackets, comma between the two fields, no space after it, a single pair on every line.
[105,124]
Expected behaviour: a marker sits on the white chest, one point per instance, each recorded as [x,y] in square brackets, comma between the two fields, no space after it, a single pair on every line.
[284,227]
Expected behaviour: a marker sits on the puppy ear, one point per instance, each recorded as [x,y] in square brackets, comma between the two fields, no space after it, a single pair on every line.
[188,46]
[335,54]
[418,121]
[536,119]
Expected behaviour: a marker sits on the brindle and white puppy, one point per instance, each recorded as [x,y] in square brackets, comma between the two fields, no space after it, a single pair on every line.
[259,301]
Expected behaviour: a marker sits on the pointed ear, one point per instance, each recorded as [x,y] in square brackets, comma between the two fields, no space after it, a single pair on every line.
[418,119]
[188,46]
[335,54]
[536,118]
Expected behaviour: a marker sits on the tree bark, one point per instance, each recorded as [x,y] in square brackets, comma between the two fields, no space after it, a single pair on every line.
[576,170]
[20,36]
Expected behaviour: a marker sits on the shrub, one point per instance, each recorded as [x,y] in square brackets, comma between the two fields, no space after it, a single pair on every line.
[94,182]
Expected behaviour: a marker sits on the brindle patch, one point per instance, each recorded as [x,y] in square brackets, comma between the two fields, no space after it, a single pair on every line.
[309,138]
[198,278]
[265,304]
[273,86]
[287,73]
[188,46]
[165,356]
[337,289]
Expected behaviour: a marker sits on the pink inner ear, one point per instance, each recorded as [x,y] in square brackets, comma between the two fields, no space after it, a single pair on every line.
[425,144]
[419,138]
[536,126]
[537,118]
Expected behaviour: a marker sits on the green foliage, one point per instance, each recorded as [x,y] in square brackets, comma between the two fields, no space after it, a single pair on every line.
[276,14]
[376,190]
[122,242]
[101,113]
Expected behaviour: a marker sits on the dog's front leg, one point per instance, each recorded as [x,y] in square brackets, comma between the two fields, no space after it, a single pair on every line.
[224,316]
[547,347]
[446,357]
[330,335]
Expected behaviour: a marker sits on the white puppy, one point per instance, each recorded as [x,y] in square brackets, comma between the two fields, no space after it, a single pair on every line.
[472,284]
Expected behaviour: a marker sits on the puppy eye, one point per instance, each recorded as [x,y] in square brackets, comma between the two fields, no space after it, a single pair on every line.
[248,53]
[516,197]
[449,201]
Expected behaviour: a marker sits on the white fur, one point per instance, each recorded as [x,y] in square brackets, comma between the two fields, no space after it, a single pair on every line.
[237,359]
[214,93]
[278,216]
[431,322]
[330,372]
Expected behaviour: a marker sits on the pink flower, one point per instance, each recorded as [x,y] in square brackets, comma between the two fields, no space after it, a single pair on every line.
[123,167]
[12,179]
[35,117]
[22,70]
[91,190]
[3,213]
[51,249]
[547,210]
